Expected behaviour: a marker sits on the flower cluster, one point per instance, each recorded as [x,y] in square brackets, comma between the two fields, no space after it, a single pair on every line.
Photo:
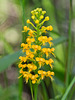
[32,63]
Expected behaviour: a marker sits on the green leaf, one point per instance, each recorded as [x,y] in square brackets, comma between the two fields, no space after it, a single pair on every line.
[6,61]
[68,89]
[69,45]
[59,40]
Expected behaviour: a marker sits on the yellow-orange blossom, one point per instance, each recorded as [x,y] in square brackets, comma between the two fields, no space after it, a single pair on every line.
[31,64]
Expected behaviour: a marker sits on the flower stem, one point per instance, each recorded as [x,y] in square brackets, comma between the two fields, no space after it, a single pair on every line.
[31,89]
[36,85]
[35,91]
[20,88]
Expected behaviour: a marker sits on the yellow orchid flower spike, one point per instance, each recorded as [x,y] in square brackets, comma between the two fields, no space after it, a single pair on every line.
[34,49]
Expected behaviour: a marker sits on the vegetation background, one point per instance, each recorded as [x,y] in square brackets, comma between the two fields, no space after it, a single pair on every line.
[13,16]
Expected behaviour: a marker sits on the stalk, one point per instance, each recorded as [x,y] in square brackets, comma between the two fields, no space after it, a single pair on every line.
[35,91]
[36,85]
[44,91]
[69,46]
[20,87]
[31,89]
[5,79]
[24,36]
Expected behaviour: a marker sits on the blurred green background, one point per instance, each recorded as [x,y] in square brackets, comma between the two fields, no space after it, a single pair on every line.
[13,16]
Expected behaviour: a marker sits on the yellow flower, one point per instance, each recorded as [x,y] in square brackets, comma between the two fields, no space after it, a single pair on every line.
[28,21]
[43,12]
[41,17]
[30,40]
[47,18]
[40,61]
[27,75]
[31,67]
[36,13]
[46,51]
[22,65]
[40,9]
[42,73]
[37,9]
[32,12]
[43,39]
[49,41]
[47,62]
[21,71]
[51,51]
[50,61]
[36,47]
[29,54]
[22,44]
[33,17]
[26,28]
[37,21]
[34,67]
[49,74]
[50,28]
[25,47]
[30,33]
[23,59]
[34,78]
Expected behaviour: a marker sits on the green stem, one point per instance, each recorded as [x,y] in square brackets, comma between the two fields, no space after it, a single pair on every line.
[35,91]
[69,46]
[22,3]
[44,91]
[36,85]
[31,89]
[33,25]
[5,78]
[24,36]
[20,88]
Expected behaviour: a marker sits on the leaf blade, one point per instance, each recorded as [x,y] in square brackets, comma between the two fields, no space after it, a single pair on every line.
[6,61]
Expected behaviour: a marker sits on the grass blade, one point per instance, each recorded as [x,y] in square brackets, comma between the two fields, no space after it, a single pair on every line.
[69,46]
[44,91]
[68,89]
